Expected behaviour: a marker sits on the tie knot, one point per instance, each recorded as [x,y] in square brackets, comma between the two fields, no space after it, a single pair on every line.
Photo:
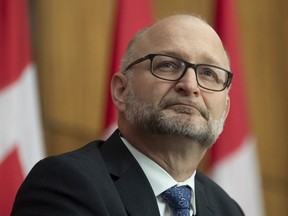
[179,198]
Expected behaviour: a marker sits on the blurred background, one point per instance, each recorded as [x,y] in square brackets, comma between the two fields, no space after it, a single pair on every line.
[72,44]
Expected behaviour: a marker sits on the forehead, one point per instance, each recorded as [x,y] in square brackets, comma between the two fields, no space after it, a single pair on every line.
[187,37]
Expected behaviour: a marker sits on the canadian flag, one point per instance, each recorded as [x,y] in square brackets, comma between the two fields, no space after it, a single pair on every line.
[234,162]
[130,17]
[21,144]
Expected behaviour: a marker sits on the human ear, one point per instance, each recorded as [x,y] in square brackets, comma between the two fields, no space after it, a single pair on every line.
[227,107]
[118,87]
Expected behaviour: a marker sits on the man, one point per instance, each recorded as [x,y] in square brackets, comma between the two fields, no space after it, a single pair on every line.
[172,97]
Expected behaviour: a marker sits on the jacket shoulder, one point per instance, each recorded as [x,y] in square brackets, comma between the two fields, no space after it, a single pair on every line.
[69,184]
[215,197]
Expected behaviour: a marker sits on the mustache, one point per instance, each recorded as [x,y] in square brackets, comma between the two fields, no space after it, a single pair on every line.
[201,109]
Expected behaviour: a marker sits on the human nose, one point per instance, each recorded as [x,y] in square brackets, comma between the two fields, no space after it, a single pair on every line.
[188,84]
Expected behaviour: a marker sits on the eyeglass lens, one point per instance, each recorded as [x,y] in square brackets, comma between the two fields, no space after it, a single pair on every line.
[170,68]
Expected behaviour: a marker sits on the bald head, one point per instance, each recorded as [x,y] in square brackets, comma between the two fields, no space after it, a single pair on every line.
[186,36]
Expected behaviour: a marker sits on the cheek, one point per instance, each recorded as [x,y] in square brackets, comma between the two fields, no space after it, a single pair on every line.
[217,106]
[151,90]
[141,90]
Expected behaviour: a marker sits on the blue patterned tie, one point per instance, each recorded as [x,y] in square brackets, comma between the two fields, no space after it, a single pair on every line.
[179,199]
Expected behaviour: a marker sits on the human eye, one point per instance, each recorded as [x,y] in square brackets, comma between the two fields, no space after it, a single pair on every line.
[166,64]
[209,74]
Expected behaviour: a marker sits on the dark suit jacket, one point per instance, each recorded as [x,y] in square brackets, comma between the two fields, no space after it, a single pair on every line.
[101,179]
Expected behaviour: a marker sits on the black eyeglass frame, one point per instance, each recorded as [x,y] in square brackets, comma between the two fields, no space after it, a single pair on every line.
[187,65]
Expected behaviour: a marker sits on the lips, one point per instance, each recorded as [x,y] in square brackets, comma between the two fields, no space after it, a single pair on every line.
[186,107]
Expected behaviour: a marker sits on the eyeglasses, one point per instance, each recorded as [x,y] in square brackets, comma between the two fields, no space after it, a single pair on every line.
[170,68]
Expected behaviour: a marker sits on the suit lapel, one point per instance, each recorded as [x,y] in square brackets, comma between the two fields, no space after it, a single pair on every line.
[203,204]
[136,193]
[131,182]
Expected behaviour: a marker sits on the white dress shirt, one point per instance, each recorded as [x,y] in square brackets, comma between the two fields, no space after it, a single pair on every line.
[160,180]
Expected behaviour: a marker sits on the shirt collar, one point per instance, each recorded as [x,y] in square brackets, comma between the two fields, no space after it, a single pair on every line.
[158,178]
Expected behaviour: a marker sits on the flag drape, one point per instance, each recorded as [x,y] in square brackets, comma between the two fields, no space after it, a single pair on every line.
[234,162]
[20,129]
[130,17]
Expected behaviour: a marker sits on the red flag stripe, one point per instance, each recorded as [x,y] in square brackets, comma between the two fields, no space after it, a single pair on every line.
[234,157]
[236,127]
[18,102]
[14,53]
[11,176]
[130,17]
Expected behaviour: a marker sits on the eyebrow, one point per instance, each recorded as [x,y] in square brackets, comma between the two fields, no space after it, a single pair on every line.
[206,56]
[173,53]
[210,59]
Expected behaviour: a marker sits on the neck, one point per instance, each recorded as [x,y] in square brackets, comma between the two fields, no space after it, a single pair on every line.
[178,156]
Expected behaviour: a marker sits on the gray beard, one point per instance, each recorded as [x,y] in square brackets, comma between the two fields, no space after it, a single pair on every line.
[152,118]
